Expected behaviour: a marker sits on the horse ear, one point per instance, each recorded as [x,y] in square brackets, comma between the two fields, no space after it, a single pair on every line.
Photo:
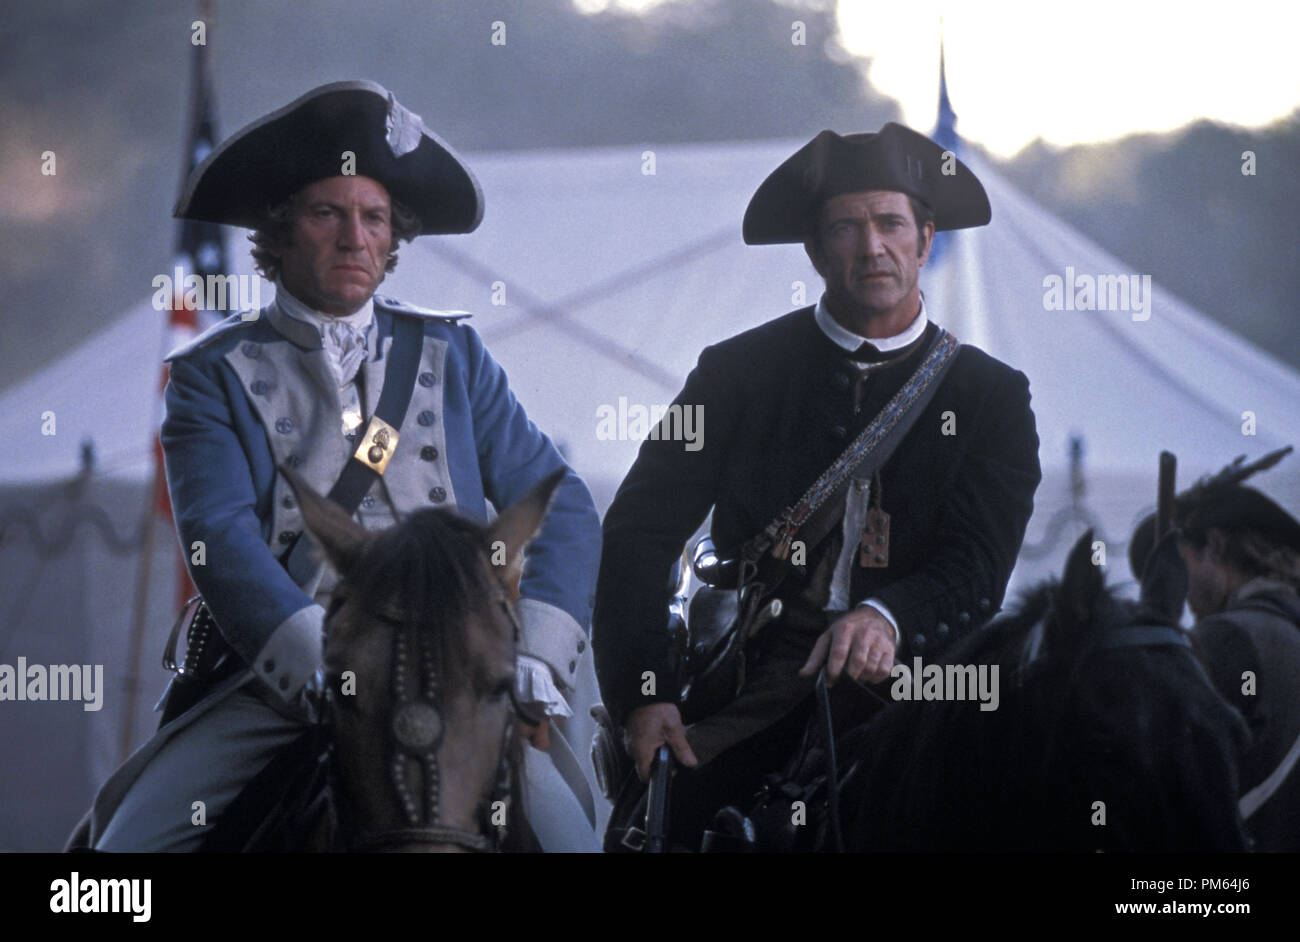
[1165,580]
[338,534]
[1081,585]
[519,523]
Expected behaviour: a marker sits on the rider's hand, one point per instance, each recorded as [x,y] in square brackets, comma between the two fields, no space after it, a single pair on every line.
[860,642]
[538,736]
[650,727]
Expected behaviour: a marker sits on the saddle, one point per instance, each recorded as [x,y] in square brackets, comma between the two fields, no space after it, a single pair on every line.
[741,597]
[798,809]
[288,807]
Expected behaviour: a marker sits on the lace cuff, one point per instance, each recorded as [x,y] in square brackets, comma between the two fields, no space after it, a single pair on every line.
[534,684]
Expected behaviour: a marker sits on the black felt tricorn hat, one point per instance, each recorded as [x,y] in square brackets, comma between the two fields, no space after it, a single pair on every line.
[896,158]
[305,141]
[1233,508]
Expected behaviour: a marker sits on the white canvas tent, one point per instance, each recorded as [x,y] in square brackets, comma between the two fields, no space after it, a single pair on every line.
[607,281]
[1124,387]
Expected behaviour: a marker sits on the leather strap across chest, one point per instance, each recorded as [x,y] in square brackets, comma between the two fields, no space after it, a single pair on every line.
[815,514]
[375,447]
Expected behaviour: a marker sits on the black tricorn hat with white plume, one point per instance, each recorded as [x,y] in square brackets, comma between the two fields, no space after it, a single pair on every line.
[358,126]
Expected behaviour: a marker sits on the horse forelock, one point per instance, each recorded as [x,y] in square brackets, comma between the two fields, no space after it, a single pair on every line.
[431,572]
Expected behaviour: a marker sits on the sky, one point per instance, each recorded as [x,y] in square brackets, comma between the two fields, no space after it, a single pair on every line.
[1073,73]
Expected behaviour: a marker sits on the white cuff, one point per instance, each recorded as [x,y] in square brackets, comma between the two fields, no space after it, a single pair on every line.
[533,684]
[551,635]
[889,617]
[292,654]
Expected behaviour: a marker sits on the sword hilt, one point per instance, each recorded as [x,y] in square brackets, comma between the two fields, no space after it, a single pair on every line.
[656,811]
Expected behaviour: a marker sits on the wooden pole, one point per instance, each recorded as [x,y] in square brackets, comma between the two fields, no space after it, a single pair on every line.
[1165,494]
[139,615]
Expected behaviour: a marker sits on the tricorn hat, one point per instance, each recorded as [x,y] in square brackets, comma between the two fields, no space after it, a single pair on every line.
[1222,502]
[896,158]
[305,141]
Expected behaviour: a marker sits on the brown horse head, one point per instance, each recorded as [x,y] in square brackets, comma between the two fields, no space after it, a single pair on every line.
[420,661]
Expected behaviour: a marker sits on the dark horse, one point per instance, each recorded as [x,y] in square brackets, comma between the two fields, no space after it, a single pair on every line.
[418,714]
[1107,736]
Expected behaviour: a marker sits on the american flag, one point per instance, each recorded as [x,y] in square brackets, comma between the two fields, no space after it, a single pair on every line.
[200,250]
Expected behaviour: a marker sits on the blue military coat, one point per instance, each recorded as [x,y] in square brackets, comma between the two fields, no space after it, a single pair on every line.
[256,391]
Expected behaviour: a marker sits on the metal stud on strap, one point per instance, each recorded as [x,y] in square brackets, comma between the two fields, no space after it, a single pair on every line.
[376,447]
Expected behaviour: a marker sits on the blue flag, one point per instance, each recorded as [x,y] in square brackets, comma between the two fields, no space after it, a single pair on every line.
[945,135]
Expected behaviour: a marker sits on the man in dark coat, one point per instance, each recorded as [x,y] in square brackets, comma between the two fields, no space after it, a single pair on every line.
[782,401]
[1242,553]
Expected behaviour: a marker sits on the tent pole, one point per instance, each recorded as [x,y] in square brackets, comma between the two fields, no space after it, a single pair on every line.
[139,613]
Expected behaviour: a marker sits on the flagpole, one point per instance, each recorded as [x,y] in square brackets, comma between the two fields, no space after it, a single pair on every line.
[157,500]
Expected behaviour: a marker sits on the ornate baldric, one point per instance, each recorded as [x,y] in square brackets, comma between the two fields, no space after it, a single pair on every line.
[808,517]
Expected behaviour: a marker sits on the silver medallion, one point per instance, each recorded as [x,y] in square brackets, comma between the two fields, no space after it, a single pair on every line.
[417,726]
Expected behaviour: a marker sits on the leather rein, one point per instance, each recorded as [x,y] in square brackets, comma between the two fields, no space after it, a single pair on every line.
[416,731]
[1129,636]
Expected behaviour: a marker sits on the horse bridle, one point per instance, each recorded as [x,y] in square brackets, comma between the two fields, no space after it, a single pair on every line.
[1129,636]
[416,727]
[1141,635]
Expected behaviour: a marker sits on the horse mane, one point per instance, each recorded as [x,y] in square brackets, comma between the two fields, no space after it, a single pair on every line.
[1000,638]
[433,565]
[1083,722]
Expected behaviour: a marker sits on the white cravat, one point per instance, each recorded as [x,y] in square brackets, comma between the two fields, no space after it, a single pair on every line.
[345,338]
[346,342]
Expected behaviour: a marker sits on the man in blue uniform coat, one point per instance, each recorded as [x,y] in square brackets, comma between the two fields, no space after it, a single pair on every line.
[330,184]
[949,507]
